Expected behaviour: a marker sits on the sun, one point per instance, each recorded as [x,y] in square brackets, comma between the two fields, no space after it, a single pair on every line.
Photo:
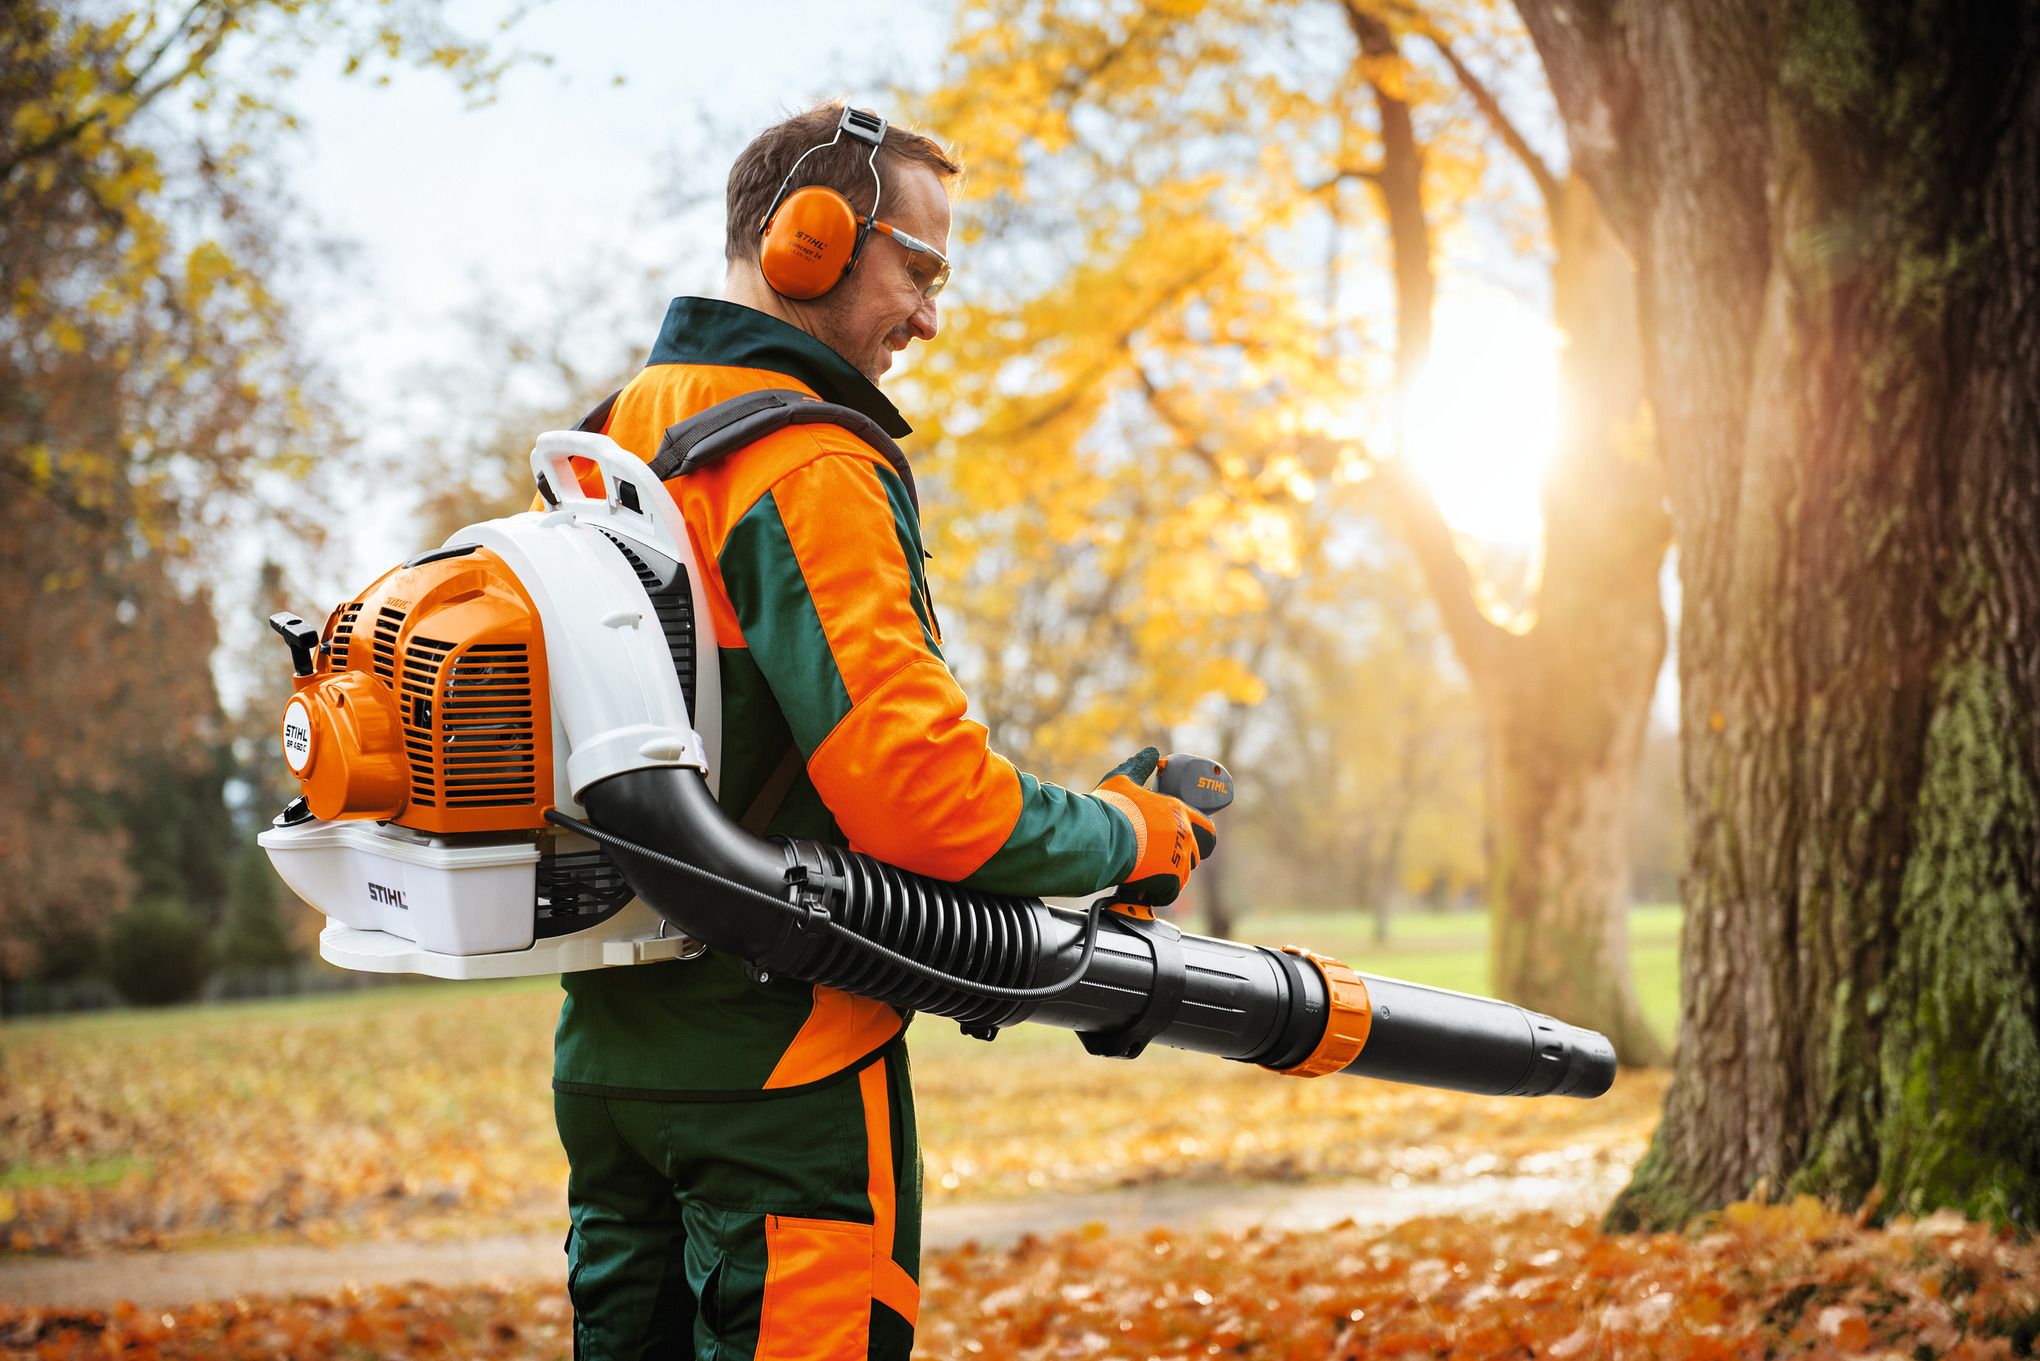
[1481,422]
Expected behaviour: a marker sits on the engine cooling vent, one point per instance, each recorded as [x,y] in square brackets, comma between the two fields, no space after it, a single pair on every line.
[576,890]
[343,634]
[419,693]
[487,745]
[675,607]
[647,578]
[388,623]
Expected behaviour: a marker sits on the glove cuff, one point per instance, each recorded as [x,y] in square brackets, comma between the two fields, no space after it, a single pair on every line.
[1132,812]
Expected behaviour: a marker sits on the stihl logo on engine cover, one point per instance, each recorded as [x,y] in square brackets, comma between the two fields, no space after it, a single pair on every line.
[393,896]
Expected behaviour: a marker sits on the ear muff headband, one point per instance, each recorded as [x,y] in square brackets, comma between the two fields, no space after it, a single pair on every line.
[812,238]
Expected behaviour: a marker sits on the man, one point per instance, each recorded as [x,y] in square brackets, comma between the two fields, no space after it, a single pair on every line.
[745,1176]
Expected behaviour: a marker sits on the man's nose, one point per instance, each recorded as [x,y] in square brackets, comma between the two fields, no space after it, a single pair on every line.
[926,321]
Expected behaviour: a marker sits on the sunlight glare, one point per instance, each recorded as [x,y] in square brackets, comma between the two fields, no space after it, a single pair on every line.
[1482,419]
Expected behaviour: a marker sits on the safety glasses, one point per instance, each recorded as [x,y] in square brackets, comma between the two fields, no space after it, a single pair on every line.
[914,243]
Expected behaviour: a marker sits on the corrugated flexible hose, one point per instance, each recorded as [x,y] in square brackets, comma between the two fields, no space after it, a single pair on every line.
[796,908]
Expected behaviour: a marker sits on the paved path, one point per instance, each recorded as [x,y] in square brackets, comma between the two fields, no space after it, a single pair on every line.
[157,1279]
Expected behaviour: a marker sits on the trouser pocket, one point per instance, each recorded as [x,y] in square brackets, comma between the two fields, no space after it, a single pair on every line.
[817,1303]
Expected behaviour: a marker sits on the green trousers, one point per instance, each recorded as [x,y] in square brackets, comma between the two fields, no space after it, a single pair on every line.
[782,1229]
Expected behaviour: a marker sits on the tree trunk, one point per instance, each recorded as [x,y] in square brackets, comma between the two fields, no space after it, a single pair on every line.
[1219,917]
[1836,223]
[1571,697]
[1218,914]
[1565,702]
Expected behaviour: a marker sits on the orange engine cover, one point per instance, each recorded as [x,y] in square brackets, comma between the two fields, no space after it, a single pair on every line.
[429,705]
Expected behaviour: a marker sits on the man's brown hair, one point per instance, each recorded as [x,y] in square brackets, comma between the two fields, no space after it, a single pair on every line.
[760,167]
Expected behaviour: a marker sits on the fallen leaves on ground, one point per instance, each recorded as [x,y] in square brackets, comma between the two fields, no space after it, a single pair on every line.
[432,1114]
[413,1320]
[1751,1282]
[353,1120]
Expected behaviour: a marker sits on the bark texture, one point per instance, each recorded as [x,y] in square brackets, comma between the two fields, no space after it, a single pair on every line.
[1834,210]
[1566,700]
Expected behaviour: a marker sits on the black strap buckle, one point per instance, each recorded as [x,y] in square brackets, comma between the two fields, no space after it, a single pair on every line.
[1165,999]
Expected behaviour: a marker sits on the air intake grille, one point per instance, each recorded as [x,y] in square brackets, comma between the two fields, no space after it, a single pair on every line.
[388,623]
[487,744]
[343,634]
[646,577]
[675,608]
[576,890]
[423,658]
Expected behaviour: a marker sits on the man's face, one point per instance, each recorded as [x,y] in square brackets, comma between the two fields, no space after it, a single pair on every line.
[879,310]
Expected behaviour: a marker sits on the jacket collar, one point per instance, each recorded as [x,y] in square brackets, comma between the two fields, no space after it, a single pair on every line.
[711,331]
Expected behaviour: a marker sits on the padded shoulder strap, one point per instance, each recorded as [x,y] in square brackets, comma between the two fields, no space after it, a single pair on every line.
[740,422]
[599,417]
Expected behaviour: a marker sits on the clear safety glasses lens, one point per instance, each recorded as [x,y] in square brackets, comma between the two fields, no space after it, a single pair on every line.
[915,244]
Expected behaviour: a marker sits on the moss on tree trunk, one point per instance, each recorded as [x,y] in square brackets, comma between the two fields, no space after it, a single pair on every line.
[1835,211]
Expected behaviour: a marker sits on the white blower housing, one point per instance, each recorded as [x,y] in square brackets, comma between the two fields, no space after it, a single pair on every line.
[460,888]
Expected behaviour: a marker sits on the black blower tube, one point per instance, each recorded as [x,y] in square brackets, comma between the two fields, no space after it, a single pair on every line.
[1146,982]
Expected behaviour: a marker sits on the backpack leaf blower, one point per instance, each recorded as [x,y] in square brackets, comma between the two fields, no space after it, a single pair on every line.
[508,748]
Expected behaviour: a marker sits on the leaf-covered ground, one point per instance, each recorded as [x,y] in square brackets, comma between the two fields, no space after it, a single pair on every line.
[1754,1282]
[429,1110]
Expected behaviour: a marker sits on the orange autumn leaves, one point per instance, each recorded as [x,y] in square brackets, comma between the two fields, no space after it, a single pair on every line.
[382,1321]
[1752,1282]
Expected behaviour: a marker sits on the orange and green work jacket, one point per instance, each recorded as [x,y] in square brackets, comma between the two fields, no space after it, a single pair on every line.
[811,550]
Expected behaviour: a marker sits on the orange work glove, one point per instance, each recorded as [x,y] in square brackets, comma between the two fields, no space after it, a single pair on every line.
[1172,837]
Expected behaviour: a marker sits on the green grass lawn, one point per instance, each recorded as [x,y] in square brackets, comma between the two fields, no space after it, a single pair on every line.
[425,993]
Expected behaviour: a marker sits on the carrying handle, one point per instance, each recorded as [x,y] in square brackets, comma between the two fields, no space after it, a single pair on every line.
[623,474]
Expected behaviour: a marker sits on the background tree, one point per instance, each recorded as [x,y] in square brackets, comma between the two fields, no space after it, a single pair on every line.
[1169,163]
[1366,755]
[152,391]
[1566,687]
[526,371]
[265,925]
[1834,211]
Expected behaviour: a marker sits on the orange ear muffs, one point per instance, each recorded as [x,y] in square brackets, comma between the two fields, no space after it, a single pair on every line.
[810,242]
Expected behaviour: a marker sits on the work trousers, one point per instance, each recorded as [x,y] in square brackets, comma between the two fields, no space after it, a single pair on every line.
[782,1229]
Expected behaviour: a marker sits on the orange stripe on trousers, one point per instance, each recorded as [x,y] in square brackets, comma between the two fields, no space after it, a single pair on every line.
[890,1283]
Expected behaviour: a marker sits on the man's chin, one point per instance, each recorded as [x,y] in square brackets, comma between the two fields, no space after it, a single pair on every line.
[877,366]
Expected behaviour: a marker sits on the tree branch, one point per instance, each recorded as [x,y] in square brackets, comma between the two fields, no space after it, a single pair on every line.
[1401,187]
[1340,174]
[1158,402]
[70,132]
[1479,640]
[1491,109]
